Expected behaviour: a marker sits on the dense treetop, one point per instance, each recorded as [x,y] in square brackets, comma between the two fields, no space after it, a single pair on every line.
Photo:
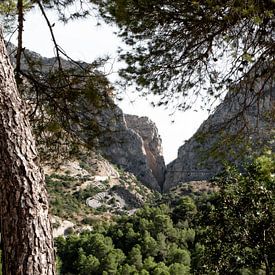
[198,48]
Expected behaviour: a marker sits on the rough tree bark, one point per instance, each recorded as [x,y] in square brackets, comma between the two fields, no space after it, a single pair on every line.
[26,234]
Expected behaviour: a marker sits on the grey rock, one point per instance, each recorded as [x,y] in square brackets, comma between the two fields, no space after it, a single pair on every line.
[240,127]
[128,145]
[134,145]
[152,144]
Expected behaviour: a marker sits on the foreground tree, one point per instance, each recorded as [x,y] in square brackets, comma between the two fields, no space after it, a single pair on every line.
[26,236]
[239,221]
[25,226]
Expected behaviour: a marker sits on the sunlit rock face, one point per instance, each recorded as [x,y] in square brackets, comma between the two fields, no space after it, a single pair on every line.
[152,144]
[240,127]
[134,144]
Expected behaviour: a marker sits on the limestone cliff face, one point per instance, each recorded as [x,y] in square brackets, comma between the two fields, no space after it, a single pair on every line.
[130,142]
[134,144]
[232,133]
[152,144]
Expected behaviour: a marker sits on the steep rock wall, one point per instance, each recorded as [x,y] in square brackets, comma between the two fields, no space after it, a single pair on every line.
[152,144]
[133,143]
[240,126]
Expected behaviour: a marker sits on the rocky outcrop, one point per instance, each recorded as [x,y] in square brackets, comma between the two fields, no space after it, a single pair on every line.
[122,139]
[122,145]
[152,144]
[241,126]
[134,144]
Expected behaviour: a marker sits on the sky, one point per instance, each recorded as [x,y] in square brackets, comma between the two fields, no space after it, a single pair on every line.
[84,40]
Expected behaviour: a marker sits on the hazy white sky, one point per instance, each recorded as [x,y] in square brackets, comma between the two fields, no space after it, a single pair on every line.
[83,40]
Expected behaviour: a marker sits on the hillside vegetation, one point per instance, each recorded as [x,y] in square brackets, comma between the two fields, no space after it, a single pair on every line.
[227,231]
[87,190]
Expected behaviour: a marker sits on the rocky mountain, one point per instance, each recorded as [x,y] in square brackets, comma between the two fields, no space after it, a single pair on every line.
[241,126]
[135,145]
[130,142]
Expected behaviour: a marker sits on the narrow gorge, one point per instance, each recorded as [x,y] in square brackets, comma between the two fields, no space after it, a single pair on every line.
[239,127]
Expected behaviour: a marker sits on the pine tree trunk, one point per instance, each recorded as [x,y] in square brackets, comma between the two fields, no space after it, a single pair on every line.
[25,227]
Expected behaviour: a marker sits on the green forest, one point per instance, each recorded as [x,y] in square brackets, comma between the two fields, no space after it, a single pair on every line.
[230,231]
